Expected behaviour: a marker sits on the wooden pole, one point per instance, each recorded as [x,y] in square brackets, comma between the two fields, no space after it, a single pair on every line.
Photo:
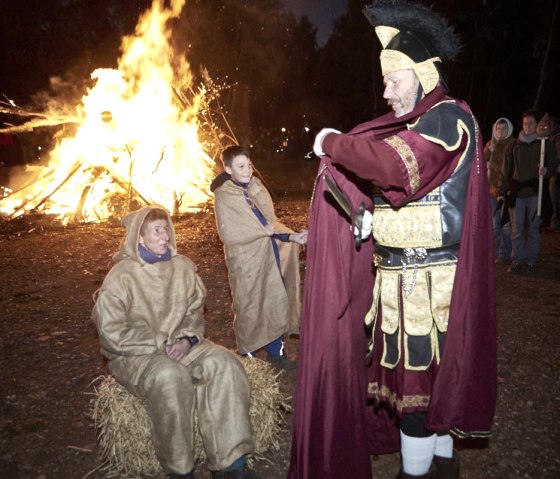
[541,164]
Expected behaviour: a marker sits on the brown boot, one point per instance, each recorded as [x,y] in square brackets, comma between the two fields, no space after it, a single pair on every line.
[429,475]
[447,468]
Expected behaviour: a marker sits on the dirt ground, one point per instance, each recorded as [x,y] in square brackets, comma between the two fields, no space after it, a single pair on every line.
[50,353]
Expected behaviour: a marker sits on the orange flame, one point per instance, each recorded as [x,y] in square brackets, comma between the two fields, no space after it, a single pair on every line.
[135,142]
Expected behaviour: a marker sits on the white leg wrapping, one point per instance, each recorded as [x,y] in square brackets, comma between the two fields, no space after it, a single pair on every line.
[444,446]
[417,453]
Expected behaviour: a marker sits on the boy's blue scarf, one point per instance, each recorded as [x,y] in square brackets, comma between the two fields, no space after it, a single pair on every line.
[152,258]
[238,183]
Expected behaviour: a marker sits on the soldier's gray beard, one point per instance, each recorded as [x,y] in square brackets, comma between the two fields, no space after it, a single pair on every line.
[407,102]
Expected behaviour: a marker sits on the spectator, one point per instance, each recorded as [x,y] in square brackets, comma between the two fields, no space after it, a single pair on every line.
[519,186]
[494,154]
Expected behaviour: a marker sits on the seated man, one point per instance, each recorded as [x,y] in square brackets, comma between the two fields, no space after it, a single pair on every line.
[149,316]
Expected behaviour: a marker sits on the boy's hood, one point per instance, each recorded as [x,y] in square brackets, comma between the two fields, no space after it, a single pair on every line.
[129,245]
[219,181]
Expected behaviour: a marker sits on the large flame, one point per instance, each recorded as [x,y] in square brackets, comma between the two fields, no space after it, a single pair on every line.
[135,142]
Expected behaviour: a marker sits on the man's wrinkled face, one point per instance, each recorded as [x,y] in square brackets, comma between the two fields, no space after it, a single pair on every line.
[155,236]
[401,89]
[529,125]
[241,169]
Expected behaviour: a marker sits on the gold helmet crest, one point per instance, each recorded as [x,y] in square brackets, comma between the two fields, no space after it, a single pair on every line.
[413,38]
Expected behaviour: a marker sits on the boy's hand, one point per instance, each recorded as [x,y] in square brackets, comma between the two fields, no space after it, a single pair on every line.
[300,238]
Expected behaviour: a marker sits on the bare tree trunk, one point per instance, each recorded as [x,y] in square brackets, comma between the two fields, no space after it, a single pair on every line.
[544,65]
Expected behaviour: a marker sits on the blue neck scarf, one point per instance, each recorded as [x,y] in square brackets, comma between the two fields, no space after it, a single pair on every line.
[238,183]
[152,258]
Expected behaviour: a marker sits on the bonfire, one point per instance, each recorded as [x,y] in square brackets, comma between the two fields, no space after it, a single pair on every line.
[134,138]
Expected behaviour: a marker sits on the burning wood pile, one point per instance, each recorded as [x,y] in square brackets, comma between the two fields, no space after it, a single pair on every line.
[133,139]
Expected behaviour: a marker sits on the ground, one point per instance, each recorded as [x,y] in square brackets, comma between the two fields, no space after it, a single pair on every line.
[50,352]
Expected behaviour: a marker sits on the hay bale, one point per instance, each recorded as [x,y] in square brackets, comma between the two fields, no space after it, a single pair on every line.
[124,435]
[124,429]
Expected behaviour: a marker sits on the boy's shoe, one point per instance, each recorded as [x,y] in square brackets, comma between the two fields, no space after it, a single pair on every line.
[282,362]
[515,268]
[531,268]
[240,473]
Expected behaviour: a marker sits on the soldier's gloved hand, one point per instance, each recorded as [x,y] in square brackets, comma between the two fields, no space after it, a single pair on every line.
[318,144]
[367,225]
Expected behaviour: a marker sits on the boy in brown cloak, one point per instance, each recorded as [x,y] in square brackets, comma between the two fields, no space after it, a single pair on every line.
[262,258]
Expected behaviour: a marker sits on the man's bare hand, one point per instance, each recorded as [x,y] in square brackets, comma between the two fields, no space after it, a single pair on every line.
[178,350]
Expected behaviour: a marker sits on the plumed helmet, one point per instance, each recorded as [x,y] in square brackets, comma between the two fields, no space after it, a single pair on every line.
[413,37]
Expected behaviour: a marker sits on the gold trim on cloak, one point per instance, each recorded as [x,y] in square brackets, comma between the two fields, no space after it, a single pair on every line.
[383,393]
[408,158]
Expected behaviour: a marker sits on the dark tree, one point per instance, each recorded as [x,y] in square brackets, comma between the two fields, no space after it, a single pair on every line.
[252,44]
[349,71]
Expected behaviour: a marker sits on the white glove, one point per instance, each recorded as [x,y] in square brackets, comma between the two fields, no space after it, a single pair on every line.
[367,225]
[318,144]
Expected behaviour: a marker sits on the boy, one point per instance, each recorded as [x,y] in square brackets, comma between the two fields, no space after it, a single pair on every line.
[148,314]
[262,261]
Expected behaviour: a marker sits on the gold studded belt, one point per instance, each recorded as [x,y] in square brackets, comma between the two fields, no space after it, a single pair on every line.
[410,258]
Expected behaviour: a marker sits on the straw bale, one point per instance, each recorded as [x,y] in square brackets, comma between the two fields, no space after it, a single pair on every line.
[124,428]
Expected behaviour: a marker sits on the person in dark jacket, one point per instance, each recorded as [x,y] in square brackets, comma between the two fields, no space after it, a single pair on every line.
[519,185]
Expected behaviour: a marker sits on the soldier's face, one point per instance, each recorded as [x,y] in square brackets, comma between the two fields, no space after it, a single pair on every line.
[401,89]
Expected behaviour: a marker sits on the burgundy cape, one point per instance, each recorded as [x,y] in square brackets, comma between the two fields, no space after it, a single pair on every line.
[331,417]
[334,431]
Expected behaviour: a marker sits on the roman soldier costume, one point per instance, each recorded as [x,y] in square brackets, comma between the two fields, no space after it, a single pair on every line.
[432,317]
